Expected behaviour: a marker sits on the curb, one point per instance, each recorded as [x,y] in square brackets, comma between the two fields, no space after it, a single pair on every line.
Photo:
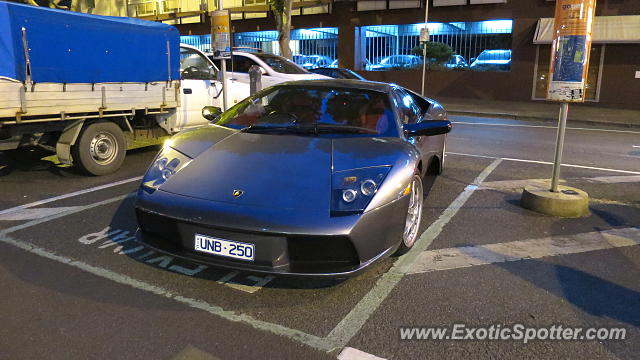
[512,116]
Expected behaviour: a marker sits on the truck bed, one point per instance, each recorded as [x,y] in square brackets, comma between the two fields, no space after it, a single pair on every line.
[52,101]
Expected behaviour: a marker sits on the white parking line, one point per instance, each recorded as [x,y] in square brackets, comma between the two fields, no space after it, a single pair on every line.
[546,163]
[544,127]
[72,194]
[30,214]
[311,340]
[351,324]
[350,353]
[460,257]
[519,184]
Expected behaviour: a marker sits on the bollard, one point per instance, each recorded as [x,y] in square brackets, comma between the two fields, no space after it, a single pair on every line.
[255,79]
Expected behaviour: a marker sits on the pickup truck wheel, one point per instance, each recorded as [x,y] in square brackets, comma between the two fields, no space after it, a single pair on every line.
[100,148]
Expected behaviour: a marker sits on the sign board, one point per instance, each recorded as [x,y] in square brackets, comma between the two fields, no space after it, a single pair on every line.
[570,50]
[220,34]
[424,34]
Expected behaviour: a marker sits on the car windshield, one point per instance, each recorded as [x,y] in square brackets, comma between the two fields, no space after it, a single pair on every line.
[281,65]
[313,110]
[495,55]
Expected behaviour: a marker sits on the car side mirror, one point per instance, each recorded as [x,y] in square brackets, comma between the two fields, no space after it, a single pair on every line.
[472,60]
[211,112]
[427,128]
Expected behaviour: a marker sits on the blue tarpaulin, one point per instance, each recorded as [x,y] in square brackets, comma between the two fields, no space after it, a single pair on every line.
[70,47]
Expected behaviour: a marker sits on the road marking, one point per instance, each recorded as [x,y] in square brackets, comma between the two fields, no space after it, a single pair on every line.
[635,146]
[546,163]
[545,127]
[351,324]
[519,184]
[258,282]
[193,353]
[297,335]
[460,257]
[72,194]
[350,353]
[62,214]
[30,214]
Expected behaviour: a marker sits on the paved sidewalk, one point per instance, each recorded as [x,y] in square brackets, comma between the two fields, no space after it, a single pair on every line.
[541,110]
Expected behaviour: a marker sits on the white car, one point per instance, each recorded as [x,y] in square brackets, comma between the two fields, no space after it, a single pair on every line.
[200,87]
[275,69]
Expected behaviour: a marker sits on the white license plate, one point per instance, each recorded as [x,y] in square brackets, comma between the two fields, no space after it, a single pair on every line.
[216,246]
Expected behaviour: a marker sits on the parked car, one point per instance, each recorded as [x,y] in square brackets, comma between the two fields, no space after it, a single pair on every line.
[492,60]
[275,69]
[299,59]
[337,73]
[316,61]
[307,178]
[397,61]
[456,62]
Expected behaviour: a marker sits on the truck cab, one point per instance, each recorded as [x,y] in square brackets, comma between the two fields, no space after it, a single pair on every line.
[200,86]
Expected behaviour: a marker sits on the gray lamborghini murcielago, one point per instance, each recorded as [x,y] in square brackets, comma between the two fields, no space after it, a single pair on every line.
[309,178]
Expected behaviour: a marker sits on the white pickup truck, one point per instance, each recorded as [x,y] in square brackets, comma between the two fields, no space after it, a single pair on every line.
[53,92]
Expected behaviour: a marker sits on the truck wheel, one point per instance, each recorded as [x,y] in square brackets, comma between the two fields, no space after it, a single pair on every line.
[100,148]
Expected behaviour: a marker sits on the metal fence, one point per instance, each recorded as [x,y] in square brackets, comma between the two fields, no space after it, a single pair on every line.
[311,48]
[387,46]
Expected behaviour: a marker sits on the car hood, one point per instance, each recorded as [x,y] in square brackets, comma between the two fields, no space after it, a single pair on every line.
[282,171]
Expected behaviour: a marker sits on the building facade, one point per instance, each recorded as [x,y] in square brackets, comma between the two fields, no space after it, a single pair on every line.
[363,29]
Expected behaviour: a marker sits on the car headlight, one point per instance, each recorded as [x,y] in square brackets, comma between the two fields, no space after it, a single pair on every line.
[352,190]
[168,162]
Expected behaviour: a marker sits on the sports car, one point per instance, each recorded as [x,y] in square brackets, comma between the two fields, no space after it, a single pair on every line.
[309,178]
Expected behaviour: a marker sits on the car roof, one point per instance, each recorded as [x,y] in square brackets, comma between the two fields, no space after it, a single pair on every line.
[343,83]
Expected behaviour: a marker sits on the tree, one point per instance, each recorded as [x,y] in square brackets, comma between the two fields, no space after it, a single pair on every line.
[437,52]
[282,12]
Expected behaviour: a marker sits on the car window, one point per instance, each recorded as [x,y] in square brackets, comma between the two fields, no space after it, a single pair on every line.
[495,55]
[309,105]
[194,65]
[409,110]
[241,64]
[280,64]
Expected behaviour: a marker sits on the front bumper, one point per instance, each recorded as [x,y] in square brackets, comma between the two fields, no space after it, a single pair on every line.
[343,247]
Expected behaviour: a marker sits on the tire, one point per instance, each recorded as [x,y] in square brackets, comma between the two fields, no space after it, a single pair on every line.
[100,148]
[414,214]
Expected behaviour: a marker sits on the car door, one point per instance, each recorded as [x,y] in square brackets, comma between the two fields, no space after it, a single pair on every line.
[198,88]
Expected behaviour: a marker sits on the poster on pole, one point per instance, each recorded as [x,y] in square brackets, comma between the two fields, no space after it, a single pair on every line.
[570,50]
[220,34]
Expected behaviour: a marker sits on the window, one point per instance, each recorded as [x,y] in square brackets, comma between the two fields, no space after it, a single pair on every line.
[409,110]
[242,64]
[541,75]
[311,48]
[195,66]
[280,64]
[452,46]
[308,107]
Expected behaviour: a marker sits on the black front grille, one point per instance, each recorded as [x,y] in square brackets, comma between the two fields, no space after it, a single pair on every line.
[159,226]
[321,253]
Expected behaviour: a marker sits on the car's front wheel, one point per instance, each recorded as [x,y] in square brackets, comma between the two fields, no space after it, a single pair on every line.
[414,214]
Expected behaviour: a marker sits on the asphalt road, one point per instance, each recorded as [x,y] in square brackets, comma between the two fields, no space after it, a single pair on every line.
[75,286]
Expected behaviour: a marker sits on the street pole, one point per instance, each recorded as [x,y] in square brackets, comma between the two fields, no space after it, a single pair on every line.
[562,125]
[424,46]
[223,68]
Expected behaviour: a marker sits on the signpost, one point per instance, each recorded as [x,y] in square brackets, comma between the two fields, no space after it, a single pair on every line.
[424,38]
[568,71]
[221,44]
